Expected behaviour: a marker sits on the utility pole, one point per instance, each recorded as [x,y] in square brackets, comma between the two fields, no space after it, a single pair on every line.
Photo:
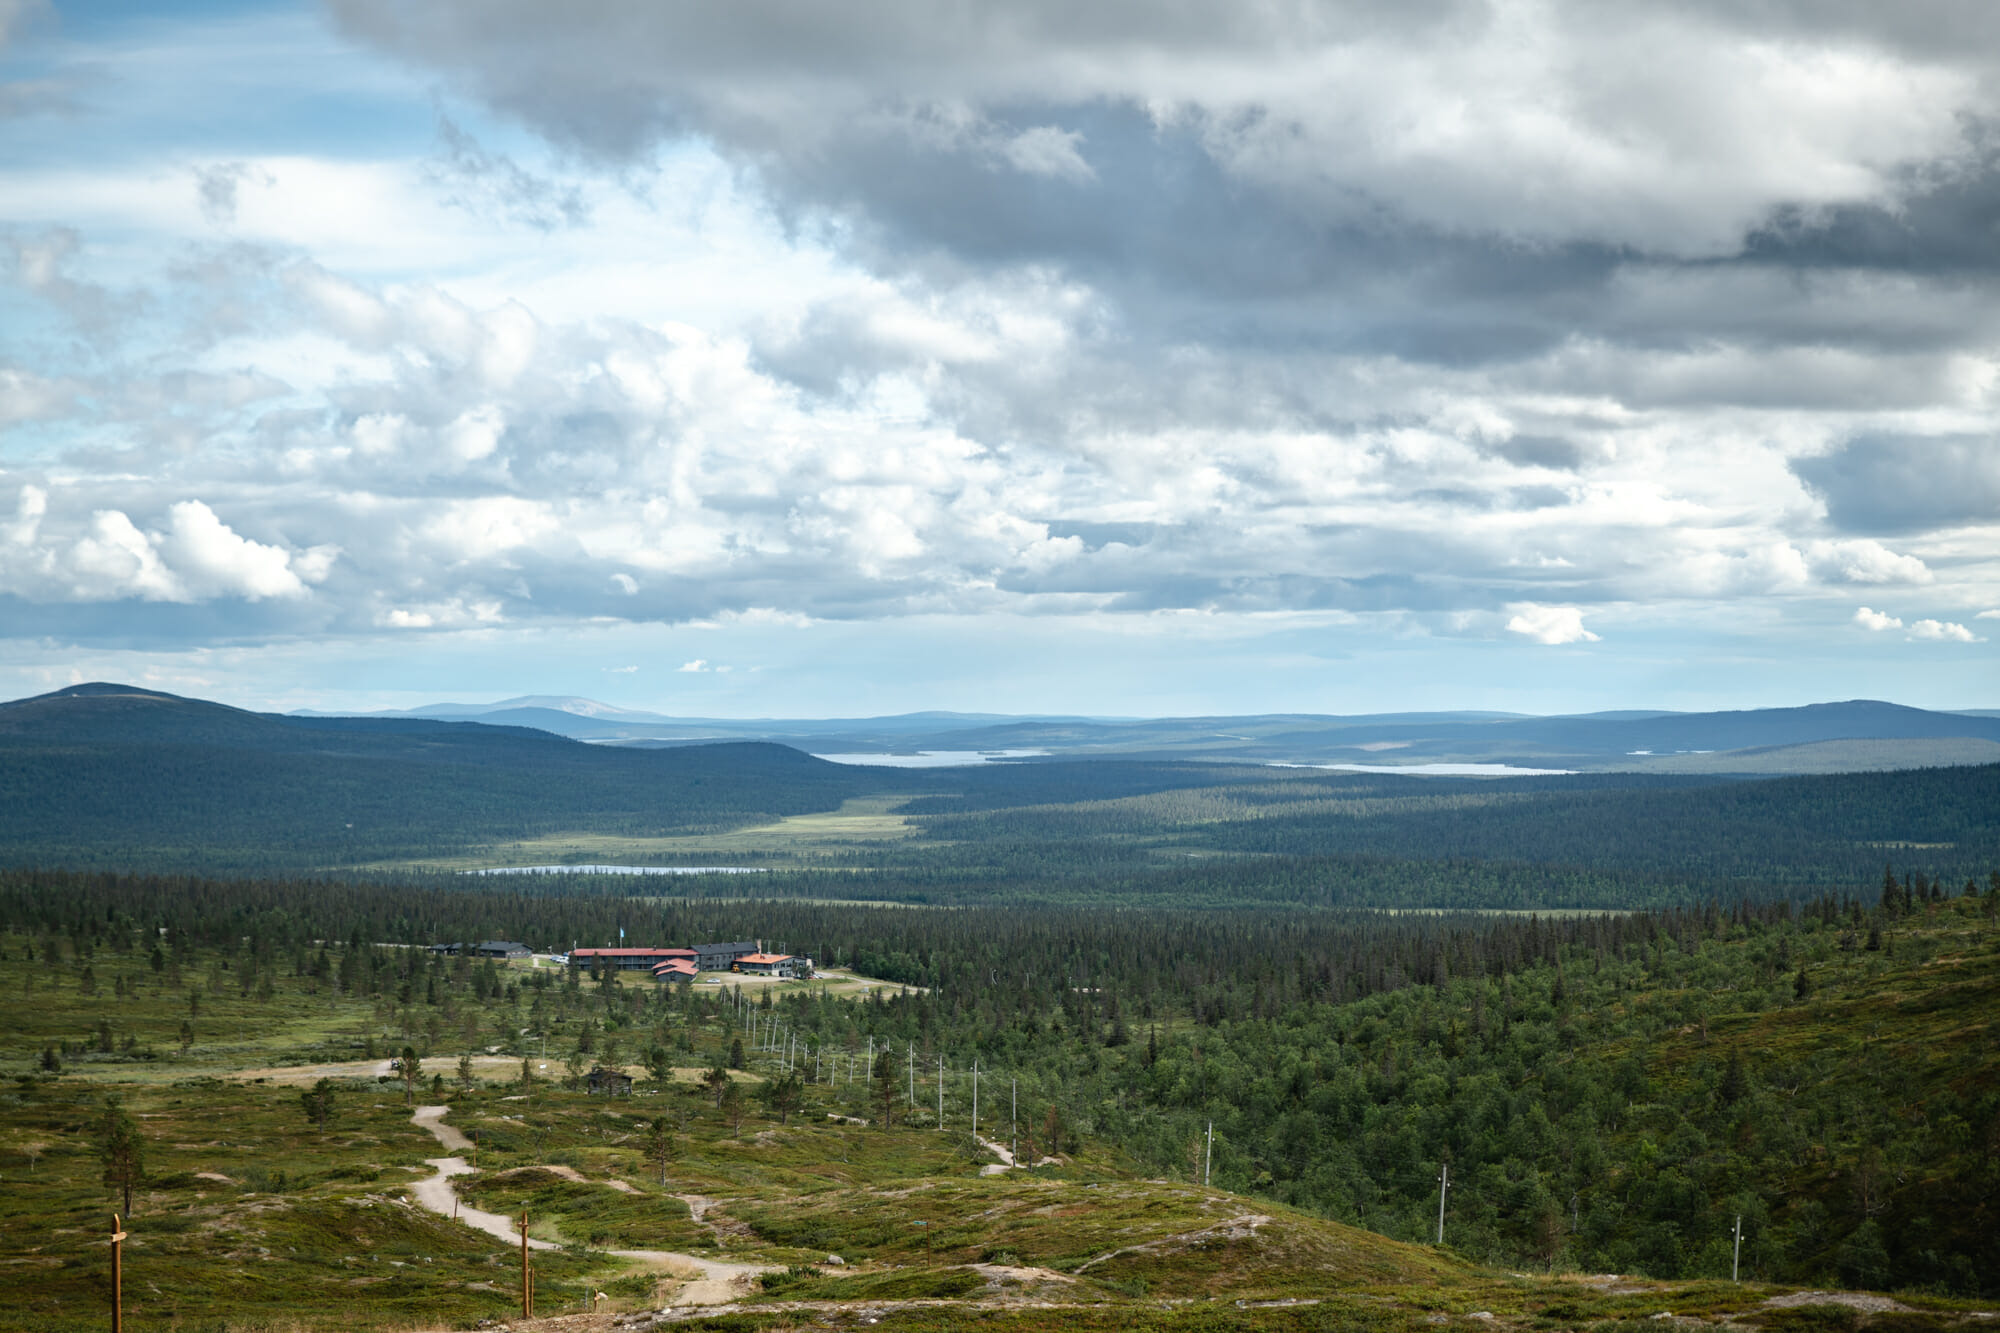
[1444,1183]
[1736,1252]
[940,1094]
[527,1274]
[117,1274]
[913,1076]
[1014,1120]
[1208,1156]
[975,1097]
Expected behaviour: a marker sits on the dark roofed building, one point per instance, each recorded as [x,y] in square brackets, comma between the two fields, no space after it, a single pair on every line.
[486,949]
[718,957]
[502,949]
[610,1082]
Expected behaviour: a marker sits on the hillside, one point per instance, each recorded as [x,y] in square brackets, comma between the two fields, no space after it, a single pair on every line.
[113,777]
[1611,1094]
[107,775]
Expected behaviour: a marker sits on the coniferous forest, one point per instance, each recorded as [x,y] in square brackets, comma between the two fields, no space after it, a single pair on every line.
[1611,1090]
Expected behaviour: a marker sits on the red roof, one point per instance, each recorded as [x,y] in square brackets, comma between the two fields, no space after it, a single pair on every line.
[677,966]
[764,958]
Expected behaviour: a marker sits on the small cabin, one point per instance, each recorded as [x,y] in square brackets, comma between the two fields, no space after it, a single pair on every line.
[610,1082]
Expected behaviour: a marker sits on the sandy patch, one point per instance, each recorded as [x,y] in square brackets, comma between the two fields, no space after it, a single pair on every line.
[1853,1300]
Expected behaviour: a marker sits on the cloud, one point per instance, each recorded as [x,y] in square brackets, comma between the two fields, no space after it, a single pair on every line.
[1549,624]
[1864,561]
[216,188]
[1944,630]
[114,559]
[621,671]
[212,560]
[625,583]
[1906,483]
[29,506]
[695,667]
[1936,630]
[1542,123]
[492,184]
[1871,619]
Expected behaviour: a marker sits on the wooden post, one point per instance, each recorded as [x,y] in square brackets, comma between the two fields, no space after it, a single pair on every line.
[527,1279]
[117,1274]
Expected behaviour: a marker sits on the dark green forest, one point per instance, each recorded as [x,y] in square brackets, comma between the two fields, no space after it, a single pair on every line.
[106,778]
[1611,1091]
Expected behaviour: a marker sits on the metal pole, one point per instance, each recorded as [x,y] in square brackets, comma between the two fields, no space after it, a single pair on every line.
[117,1274]
[913,1076]
[527,1292]
[940,1093]
[1014,1121]
[975,1097]
[1208,1156]
[1444,1183]
[1736,1253]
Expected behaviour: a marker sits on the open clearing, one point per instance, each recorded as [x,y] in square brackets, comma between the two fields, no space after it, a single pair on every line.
[792,841]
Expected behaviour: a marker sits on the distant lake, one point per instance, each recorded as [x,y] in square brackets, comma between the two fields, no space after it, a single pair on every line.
[617,870]
[1444,770]
[930,758]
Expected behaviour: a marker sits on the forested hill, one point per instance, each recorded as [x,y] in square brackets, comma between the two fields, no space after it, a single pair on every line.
[110,775]
[106,776]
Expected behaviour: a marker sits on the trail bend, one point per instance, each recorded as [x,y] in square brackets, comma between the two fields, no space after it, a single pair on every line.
[717,1282]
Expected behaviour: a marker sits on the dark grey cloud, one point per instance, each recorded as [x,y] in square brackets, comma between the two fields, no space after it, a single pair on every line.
[1906,483]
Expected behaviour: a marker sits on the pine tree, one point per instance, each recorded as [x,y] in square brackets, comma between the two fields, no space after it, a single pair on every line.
[317,1102]
[123,1152]
[660,1145]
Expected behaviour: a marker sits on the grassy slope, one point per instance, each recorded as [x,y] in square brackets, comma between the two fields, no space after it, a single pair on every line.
[315,1231]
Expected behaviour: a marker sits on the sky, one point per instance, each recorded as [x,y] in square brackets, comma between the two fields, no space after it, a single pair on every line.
[1133,358]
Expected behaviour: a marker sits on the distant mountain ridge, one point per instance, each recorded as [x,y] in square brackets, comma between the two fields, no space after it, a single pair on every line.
[1771,740]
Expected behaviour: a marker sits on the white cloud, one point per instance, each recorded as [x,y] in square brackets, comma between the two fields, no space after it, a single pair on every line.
[695,667]
[214,561]
[1866,561]
[29,506]
[1549,624]
[621,671]
[625,583]
[1944,630]
[1871,619]
[114,559]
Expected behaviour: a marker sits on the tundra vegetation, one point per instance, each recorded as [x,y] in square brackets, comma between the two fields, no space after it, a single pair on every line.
[1611,1092]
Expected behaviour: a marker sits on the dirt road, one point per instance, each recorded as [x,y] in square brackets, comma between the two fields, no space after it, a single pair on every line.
[706,1281]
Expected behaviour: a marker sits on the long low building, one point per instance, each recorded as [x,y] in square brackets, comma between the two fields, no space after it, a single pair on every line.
[486,949]
[773,965]
[628,960]
[702,957]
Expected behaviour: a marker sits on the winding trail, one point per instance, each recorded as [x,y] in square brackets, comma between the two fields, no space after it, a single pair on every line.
[714,1283]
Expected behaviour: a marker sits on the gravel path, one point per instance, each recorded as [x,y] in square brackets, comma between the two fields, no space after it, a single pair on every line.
[715,1283]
